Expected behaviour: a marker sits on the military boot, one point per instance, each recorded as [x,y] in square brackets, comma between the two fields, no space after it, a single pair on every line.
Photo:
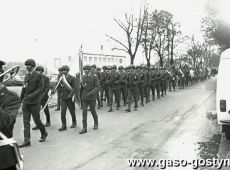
[110,109]
[62,128]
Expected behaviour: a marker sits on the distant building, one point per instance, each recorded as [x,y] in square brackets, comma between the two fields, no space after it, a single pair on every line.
[103,59]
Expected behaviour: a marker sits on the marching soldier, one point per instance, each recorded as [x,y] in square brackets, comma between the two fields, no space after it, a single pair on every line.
[114,81]
[132,85]
[147,85]
[90,87]
[59,91]
[31,101]
[98,73]
[9,106]
[158,83]
[67,93]
[141,83]
[161,80]
[153,82]
[104,86]
[45,96]
[2,63]
[123,87]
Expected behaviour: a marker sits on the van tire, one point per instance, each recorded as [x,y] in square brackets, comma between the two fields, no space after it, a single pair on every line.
[227,132]
[224,127]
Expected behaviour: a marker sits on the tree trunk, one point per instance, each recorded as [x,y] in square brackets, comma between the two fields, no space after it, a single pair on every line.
[148,63]
[131,59]
[161,61]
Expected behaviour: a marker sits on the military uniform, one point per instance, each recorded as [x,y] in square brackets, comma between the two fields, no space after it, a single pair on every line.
[147,86]
[67,101]
[59,91]
[98,74]
[31,98]
[90,86]
[9,106]
[1,69]
[132,85]
[104,86]
[142,83]
[153,83]
[123,84]
[114,81]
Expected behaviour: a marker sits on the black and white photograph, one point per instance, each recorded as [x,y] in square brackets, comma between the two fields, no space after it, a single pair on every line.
[114,85]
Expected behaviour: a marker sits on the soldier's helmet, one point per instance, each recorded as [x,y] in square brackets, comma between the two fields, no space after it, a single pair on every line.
[138,66]
[98,69]
[86,67]
[120,67]
[65,68]
[2,63]
[114,67]
[131,66]
[104,67]
[109,67]
[30,62]
[94,66]
[40,68]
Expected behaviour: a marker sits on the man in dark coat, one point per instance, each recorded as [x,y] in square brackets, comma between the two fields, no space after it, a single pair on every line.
[90,87]
[59,91]
[1,69]
[31,101]
[67,93]
[9,105]
[45,95]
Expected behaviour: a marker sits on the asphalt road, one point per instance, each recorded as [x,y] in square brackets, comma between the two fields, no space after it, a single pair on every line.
[182,125]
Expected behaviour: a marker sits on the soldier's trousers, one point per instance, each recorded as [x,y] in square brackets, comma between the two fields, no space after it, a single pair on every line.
[117,94]
[98,98]
[157,87]
[162,87]
[106,90]
[58,99]
[124,93]
[46,110]
[67,103]
[133,92]
[28,110]
[165,85]
[141,93]
[147,93]
[91,104]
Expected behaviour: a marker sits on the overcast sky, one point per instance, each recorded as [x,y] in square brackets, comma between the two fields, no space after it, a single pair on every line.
[45,29]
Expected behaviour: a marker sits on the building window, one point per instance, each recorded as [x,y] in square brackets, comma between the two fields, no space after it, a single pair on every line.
[85,58]
[112,60]
[100,59]
[108,60]
[90,59]
[104,59]
[95,59]
[120,60]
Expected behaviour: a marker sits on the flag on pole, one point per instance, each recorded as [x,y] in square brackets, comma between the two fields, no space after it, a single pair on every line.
[80,57]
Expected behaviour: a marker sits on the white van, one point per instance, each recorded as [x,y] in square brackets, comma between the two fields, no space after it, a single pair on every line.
[223,92]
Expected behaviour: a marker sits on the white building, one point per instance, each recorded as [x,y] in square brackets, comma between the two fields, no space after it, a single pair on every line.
[104,59]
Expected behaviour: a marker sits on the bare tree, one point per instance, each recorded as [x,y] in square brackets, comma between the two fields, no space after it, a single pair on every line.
[133,28]
[174,38]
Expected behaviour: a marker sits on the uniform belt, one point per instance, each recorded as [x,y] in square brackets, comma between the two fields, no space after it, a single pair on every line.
[7,142]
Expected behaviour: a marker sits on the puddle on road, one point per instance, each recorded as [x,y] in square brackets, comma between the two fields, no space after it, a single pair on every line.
[209,150]
[211,116]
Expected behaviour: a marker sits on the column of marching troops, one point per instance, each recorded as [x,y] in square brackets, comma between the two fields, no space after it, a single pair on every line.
[96,87]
